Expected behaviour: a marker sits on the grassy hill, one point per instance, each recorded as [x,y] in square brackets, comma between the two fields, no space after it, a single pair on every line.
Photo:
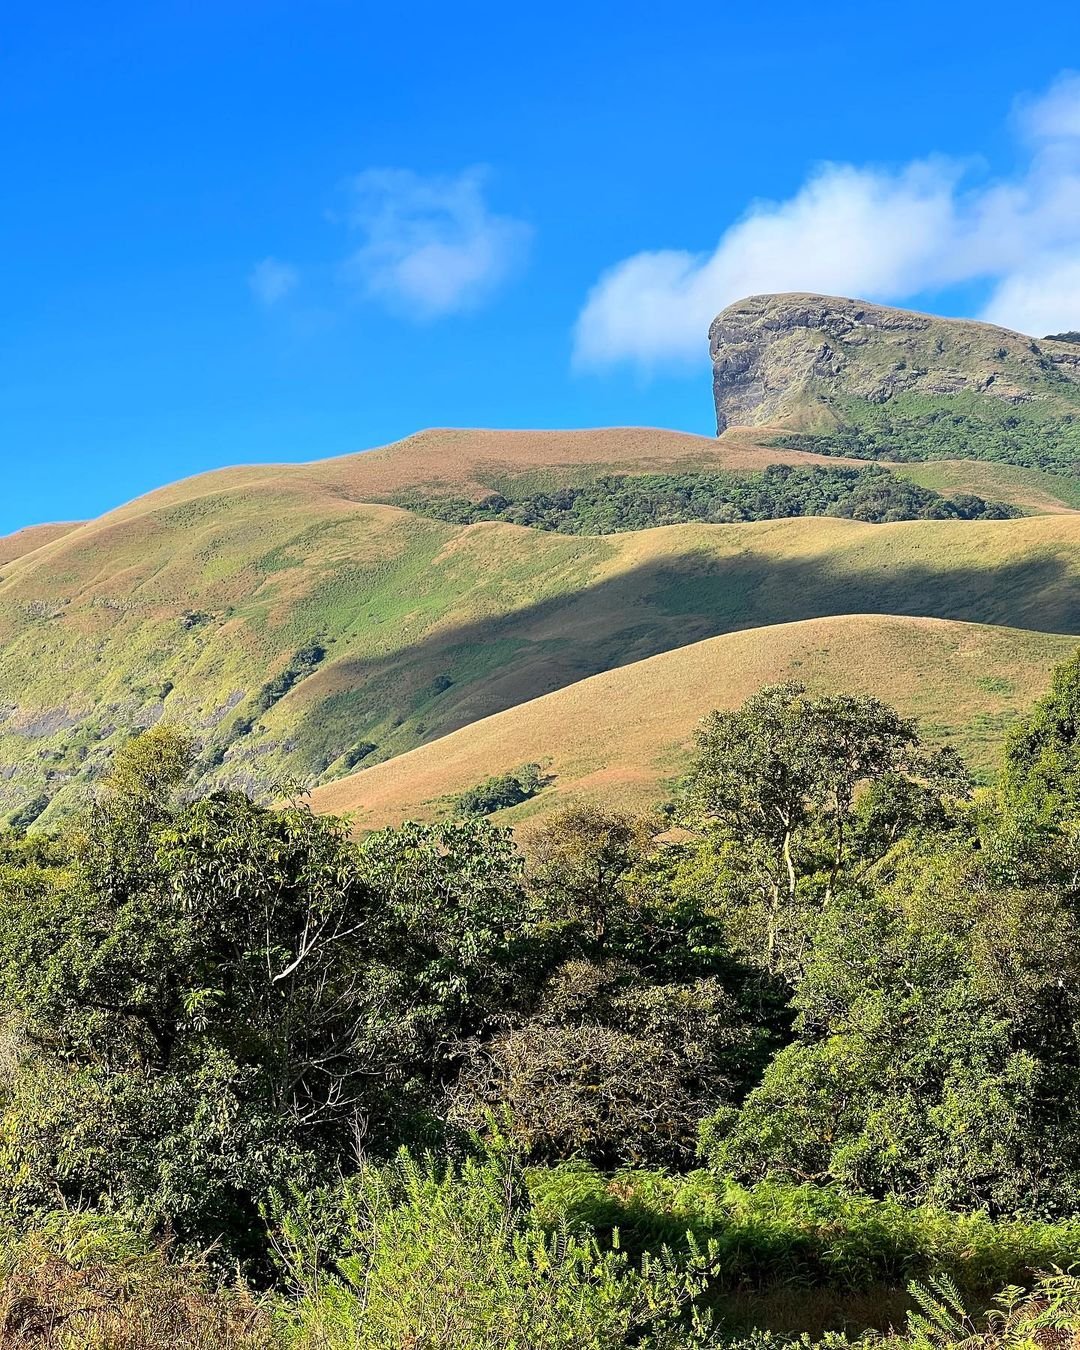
[299,630]
[1033,490]
[303,625]
[623,735]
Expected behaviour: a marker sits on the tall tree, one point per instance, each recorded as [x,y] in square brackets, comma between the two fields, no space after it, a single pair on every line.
[810,792]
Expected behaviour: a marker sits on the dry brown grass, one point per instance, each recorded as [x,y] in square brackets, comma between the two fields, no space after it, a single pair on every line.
[617,737]
[25,541]
[50,1302]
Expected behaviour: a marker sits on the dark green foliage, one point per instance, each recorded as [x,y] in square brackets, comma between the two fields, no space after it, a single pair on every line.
[353,757]
[642,501]
[501,791]
[304,662]
[210,997]
[187,986]
[865,981]
[802,795]
[938,1034]
[639,1020]
[1042,756]
[912,427]
[25,816]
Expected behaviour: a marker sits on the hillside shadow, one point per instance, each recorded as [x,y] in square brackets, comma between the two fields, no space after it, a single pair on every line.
[455,675]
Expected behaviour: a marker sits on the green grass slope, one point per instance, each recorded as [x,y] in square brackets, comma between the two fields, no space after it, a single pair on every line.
[620,737]
[1033,490]
[302,629]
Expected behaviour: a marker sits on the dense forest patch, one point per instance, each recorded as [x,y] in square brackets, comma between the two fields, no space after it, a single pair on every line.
[619,502]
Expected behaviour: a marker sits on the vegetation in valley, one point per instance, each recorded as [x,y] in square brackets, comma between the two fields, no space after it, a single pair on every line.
[805,1065]
[617,503]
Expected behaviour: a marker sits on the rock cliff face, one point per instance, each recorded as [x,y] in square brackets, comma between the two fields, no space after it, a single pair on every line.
[785,359]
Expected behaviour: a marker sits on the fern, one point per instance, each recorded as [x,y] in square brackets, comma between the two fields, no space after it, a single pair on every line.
[939,1318]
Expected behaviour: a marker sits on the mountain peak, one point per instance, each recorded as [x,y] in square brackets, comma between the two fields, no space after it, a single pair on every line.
[787,358]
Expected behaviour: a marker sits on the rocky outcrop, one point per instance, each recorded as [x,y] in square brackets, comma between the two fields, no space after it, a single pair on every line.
[785,359]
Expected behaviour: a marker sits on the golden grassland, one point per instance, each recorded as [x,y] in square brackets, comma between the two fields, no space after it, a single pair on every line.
[621,736]
[33,537]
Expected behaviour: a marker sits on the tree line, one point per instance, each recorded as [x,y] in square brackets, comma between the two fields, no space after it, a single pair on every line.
[621,502]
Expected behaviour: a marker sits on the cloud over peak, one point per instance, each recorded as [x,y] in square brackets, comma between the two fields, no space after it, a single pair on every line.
[880,234]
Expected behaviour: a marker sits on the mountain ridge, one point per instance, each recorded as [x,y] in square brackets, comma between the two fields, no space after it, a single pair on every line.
[846,377]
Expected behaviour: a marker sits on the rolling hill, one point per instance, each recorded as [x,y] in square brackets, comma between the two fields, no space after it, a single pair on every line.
[624,734]
[291,639]
[303,623]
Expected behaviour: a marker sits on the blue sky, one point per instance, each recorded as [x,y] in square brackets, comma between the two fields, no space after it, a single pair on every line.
[258,230]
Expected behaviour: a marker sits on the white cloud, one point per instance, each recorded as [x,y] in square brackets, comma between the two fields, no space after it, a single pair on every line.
[871,233]
[1042,299]
[1056,114]
[271,281]
[431,245]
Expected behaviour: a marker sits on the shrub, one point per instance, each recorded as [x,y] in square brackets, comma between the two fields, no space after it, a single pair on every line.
[454,1259]
[777,1233]
[501,792]
[609,1069]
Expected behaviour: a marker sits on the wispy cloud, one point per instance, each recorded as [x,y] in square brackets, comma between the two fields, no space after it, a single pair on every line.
[431,245]
[271,281]
[873,233]
[1054,115]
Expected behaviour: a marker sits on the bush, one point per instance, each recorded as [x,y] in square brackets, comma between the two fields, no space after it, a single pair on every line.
[776,1233]
[455,1259]
[610,1069]
[27,814]
[501,792]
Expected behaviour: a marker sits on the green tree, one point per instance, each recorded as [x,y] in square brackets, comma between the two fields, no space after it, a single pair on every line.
[938,1039]
[579,859]
[210,997]
[1040,784]
[802,795]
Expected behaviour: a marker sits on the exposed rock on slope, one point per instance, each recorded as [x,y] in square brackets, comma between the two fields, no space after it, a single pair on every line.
[785,359]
